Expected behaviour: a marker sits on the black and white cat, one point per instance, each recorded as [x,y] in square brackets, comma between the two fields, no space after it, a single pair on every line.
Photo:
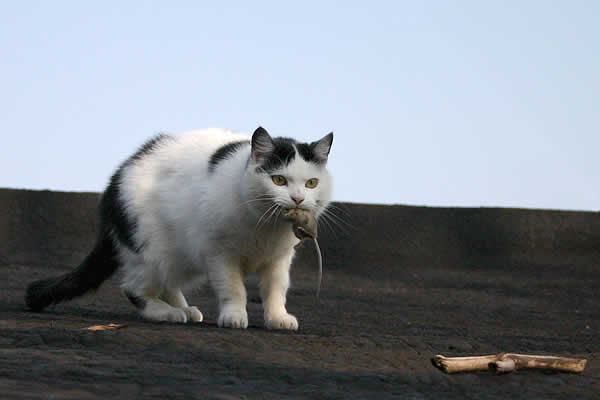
[205,204]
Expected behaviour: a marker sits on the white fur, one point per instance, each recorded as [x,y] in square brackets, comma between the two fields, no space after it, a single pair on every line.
[194,224]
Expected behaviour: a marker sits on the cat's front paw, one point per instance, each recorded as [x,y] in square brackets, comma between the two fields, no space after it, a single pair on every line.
[233,319]
[282,321]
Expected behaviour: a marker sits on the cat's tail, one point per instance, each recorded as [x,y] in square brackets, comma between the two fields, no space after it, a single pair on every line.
[98,266]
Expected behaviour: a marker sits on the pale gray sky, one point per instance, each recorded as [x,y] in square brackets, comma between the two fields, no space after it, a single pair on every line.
[454,103]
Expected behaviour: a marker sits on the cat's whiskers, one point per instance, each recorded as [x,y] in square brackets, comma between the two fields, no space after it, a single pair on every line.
[337,221]
[274,212]
[329,226]
[278,214]
[271,209]
[256,199]
[266,220]
[338,208]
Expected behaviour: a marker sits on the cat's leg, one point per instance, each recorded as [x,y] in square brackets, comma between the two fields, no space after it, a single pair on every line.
[153,308]
[143,285]
[228,283]
[274,283]
[175,298]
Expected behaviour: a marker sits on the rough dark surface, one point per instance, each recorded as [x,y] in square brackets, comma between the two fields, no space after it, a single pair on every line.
[400,285]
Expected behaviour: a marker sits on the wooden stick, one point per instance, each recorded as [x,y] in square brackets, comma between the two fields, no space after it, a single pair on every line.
[507,362]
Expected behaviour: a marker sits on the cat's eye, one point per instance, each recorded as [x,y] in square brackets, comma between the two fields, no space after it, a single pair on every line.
[279,180]
[312,183]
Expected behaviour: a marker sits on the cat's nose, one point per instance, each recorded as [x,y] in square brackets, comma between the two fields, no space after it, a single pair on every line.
[297,199]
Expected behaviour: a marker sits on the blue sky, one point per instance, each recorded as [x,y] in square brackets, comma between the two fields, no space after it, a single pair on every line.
[441,103]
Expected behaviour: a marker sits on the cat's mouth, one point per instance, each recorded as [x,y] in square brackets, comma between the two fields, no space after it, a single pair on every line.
[298,208]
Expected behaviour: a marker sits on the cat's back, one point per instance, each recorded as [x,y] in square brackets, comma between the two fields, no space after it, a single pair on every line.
[209,140]
[191,150]
[170,163]
[198,147]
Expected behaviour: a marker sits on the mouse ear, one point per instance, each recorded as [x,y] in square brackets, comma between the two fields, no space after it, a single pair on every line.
[322,147]
[262,144]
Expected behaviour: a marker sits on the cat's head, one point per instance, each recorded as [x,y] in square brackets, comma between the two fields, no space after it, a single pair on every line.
[289,174]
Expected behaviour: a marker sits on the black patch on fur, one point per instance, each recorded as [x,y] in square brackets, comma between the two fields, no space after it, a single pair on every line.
[112,209]
[98,266]
[137,301]
[283,154]
[148,147]
[224,152]
[307,152]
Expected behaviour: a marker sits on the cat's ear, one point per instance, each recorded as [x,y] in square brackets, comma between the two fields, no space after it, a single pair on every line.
[322,147]
[262,144]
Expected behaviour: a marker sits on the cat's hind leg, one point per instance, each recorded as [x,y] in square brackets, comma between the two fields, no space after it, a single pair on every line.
[143,284]
[176,299]
[153,308]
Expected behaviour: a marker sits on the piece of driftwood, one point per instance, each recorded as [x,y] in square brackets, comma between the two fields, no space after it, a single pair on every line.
[507,362]
[304,225]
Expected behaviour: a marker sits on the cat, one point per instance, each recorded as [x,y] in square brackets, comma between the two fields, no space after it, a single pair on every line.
[204,205]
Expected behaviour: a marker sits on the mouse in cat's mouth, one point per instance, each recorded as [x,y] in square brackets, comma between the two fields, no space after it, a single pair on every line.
[304,225]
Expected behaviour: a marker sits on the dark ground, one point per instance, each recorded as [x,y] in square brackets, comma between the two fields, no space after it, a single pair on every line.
[400,285]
